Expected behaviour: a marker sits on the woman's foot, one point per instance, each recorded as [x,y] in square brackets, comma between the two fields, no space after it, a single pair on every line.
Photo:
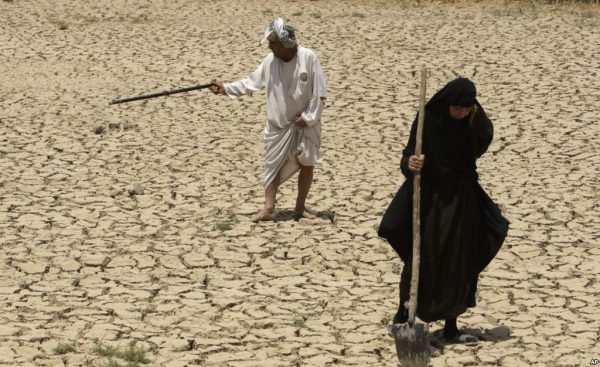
[452,334]
[450,329]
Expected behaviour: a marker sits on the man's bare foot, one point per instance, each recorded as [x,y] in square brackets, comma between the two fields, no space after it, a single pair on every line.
[264,215]
[306,213]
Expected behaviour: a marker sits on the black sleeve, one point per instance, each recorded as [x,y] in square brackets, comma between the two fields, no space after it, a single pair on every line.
[482,131]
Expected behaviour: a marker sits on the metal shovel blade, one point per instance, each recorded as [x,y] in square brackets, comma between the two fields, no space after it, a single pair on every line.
[412,343]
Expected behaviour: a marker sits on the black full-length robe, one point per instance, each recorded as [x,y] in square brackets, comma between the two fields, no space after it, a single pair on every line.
[461,227]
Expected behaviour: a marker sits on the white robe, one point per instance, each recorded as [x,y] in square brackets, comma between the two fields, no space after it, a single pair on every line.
[294,88]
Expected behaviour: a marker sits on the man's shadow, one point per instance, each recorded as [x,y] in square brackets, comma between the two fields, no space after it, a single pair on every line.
[496,334]
[283,215]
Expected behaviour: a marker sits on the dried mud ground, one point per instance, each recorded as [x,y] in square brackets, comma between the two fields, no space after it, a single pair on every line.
[131,223]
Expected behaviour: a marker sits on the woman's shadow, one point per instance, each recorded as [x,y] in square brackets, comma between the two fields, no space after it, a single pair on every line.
[496,334]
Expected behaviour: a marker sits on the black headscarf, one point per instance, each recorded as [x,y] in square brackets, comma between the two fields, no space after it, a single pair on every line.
[459,92]
[448,144]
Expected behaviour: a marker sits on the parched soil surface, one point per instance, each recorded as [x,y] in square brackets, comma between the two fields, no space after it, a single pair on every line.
[131,223]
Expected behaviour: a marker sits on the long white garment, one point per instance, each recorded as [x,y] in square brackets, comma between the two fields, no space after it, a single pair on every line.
[294,88]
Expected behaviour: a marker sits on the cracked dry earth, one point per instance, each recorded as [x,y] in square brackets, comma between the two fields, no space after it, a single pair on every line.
[132,222]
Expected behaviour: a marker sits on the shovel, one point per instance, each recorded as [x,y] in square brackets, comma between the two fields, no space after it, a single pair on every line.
[412,339]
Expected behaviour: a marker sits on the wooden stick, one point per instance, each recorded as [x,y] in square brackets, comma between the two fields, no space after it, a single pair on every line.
[160,94]
[416,258]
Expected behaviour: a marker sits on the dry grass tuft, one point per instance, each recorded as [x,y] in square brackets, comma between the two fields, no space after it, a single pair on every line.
[64,348]
[226,225]
[61,24]
[133,355]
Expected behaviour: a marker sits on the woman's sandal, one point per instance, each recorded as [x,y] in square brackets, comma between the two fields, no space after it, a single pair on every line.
[467,339]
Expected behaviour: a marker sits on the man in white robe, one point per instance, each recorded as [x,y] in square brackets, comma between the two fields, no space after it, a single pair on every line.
[296,92]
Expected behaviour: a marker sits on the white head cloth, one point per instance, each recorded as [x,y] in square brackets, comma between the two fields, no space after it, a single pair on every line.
[285,33]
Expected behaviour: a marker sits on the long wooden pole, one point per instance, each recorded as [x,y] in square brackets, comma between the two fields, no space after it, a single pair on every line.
[161,94]
[416,258]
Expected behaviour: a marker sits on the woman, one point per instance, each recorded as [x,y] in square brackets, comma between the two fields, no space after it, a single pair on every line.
[461,227]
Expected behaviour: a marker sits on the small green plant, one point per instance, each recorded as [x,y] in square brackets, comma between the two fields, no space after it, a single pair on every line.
[299,322]
[587,14]
[297,14]
[90,20]
[381,250]
[139,19]
[588,19]
[316,15]
[133,354]
[358,15]
[64,348]
[224,225]
[113,363]
[104,350]
[62,25]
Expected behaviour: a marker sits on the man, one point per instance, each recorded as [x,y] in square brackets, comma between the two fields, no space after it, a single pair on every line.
[296,93]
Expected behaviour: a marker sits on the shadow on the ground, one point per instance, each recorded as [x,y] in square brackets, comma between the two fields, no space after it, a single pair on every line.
[283,215]
[499,333]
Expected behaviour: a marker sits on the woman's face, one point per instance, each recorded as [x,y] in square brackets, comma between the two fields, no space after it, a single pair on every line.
[459,112]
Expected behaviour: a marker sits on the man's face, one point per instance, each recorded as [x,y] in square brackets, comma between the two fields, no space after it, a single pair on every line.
[459,112]
[275,45]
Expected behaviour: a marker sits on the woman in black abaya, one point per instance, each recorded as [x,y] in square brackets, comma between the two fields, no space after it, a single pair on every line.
[461,227]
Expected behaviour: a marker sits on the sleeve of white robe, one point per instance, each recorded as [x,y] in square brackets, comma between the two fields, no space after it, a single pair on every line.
[253,83]
[312,113]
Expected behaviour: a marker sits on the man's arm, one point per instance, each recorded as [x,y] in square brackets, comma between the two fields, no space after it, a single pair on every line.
[217,87]
[253,83]
[312,113]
